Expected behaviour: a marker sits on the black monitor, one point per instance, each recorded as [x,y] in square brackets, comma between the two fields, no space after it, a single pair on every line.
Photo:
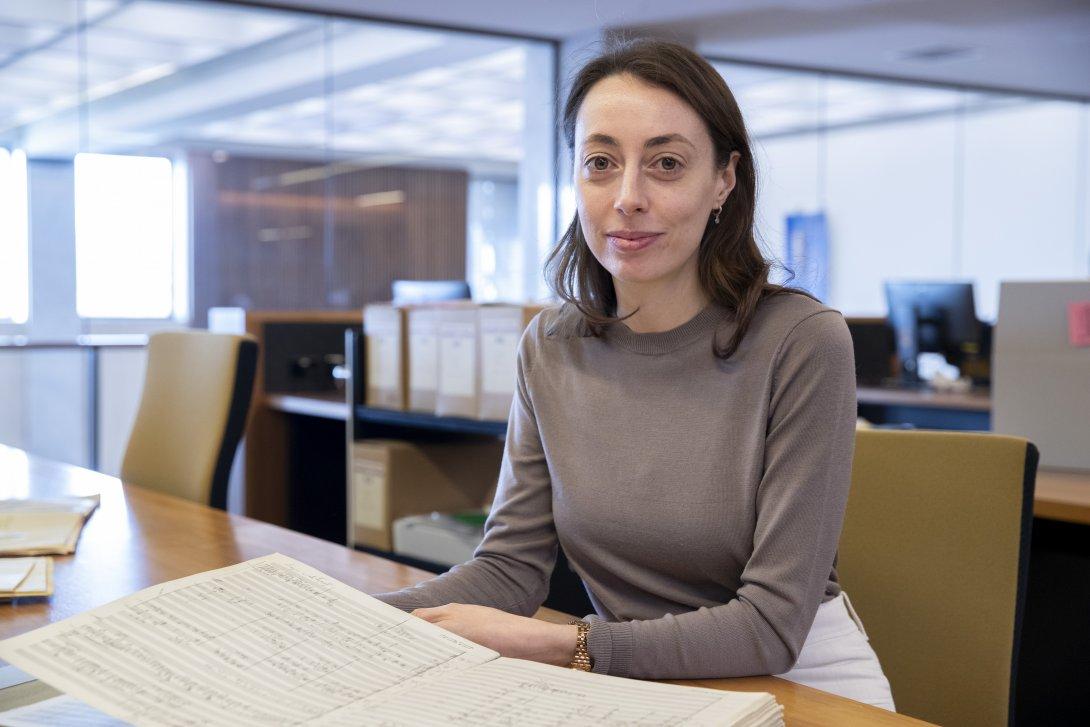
[932,317]
[428,291]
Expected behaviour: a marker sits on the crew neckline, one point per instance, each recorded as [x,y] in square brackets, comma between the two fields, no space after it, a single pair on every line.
[699,326]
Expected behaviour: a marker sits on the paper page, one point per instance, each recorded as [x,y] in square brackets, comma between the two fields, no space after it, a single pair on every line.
[516,692]
[266,642]
[369,494]
[62,711]
[84,505]
[39,581]
[14,571]
[38,533]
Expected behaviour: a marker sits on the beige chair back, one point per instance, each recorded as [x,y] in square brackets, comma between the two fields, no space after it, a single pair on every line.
[935,555]
[192,413]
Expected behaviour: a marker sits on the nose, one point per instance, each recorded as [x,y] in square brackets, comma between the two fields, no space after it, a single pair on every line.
[630,197]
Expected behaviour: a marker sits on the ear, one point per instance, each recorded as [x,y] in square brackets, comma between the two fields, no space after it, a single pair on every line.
[725,178]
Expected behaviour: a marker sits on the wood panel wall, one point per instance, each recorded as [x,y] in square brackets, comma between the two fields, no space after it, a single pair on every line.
[273,234]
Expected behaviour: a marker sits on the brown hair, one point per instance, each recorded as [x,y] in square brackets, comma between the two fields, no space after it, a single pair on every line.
[732,270]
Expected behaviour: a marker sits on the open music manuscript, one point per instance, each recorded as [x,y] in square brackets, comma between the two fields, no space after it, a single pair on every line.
[275,642]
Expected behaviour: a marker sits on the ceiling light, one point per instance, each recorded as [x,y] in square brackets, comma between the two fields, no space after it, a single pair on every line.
[379,199]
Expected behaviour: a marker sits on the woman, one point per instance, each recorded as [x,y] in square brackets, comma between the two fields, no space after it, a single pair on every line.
[681,426]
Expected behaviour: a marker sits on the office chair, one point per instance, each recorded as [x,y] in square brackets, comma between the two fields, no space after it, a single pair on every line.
[192,413]
[934,555]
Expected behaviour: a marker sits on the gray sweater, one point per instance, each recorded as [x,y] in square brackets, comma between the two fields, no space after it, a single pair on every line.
[699,500]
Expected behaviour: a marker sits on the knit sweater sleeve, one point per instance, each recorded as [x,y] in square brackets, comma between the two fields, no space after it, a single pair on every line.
[800,508]
[510,569]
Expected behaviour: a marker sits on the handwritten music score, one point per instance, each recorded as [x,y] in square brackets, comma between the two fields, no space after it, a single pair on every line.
[274,642]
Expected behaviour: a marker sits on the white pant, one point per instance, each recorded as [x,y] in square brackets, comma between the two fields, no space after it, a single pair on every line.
[837,657]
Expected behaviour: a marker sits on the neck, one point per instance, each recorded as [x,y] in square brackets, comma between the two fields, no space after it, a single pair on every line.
[663,305]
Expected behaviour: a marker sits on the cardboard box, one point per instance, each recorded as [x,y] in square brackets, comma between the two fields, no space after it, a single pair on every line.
[423,335]
[392,479]
[500,330]
[456,393]
[386,349]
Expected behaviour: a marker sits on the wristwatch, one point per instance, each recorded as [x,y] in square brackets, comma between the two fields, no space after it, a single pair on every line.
[581,659]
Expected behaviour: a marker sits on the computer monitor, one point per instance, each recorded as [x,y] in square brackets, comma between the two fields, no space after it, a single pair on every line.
[932,316]
[428,291]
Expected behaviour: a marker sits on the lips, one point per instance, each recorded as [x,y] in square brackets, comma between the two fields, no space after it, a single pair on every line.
[631,240]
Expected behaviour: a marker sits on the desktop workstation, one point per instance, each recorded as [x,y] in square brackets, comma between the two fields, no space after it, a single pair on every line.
[938,320]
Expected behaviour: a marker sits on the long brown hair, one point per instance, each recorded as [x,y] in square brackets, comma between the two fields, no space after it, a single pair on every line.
[732,270]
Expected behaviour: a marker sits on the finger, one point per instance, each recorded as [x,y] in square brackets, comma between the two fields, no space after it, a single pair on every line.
[430,614]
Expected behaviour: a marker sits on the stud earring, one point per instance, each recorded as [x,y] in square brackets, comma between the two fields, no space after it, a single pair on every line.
[718,210]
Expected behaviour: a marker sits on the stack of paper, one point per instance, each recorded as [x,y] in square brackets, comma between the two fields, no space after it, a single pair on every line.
[275,642]
[25,577]
[43,527]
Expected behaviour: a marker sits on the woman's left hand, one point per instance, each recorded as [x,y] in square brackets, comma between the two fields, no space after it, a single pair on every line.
[514,636]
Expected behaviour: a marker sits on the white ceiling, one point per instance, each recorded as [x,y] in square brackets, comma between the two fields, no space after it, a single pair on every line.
[1040,46]
[227,76]
[163,75]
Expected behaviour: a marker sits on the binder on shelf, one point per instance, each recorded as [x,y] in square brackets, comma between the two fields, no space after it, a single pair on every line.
[457,389]
[387,353]
[500,330]
[423,335]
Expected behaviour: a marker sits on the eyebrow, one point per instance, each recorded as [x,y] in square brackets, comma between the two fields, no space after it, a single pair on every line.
[652,142]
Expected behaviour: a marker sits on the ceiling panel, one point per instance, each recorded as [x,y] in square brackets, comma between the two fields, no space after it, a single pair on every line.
[230,26]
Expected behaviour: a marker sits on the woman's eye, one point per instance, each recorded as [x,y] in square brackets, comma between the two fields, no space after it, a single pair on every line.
[599,164]
[669,164]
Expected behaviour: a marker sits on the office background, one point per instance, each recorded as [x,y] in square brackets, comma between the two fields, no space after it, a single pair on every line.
[159,158]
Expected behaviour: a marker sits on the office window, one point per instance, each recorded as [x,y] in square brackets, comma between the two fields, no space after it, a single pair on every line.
[124,236]
[14,292]
[917,181]
[316,159]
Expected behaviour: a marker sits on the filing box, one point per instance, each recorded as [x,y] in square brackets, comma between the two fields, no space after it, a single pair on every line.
[457,389]
[392,479]
[387,352]
[423,335]
[500,329]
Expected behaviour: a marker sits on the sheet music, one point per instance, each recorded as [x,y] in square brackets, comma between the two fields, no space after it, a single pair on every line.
[267,642]
[516,692]
[62,711]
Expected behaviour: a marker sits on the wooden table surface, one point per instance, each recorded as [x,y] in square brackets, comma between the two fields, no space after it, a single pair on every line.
[138,538]
[1062,495]
[970,400]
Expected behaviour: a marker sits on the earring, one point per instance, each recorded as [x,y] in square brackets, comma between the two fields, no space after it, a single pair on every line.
[718,210]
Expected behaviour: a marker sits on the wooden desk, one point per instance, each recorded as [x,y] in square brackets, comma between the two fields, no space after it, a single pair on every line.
[925,409]
[138,538]
[1062,495]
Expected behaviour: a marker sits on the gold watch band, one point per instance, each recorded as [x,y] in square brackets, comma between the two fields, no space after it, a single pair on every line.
[581,659]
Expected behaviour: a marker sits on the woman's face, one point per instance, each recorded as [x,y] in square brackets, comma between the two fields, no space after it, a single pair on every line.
[646,180]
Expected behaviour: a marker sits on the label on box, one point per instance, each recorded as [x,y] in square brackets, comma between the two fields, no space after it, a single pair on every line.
[382,362]
[423,361]
[369,494]
[457,365]
[1078,323]
[380,322]
[499,362]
